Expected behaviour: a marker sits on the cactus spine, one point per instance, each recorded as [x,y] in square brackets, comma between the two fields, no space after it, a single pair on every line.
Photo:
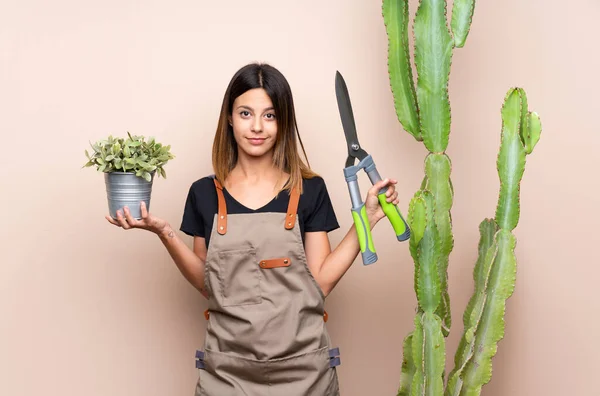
[424,112]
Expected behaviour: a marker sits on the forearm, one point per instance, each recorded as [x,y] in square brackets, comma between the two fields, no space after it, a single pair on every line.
[340,260]
[190,265]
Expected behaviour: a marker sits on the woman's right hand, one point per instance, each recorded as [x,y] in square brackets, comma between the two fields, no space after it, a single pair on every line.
[147,222]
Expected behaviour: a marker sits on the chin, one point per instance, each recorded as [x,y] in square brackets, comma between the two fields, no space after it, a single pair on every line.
[257,151]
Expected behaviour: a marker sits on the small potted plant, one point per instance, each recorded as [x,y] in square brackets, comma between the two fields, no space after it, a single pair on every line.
[129,166]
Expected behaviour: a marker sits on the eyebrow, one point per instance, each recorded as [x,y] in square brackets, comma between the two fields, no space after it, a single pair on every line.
[251,109]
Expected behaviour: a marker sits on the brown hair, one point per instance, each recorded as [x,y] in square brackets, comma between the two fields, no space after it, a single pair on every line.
[286,156]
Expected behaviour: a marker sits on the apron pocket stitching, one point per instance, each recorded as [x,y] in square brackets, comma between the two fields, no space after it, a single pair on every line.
[237,269]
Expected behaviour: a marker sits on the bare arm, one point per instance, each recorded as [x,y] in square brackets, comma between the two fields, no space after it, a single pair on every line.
[190,262]
[328,266]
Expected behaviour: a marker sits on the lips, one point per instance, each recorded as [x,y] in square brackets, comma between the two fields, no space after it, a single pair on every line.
[256,141]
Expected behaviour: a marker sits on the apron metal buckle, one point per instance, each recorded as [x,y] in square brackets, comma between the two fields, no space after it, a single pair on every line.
[334,357]
[199,360]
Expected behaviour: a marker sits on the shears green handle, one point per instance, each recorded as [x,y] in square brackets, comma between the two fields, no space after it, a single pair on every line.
[363,230]
[394,216]
[359,212]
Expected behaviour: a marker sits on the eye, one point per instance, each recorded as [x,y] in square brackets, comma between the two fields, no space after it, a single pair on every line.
[244,113]
[270,116]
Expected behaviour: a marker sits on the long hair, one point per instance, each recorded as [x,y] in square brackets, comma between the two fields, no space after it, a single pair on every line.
[286,156]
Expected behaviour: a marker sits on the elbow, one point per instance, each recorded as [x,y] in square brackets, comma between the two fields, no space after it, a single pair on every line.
[326,288]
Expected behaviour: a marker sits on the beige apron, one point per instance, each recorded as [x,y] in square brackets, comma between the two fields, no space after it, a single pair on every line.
[266,332]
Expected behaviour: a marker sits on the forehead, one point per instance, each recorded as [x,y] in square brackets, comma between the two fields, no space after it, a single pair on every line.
[256,99]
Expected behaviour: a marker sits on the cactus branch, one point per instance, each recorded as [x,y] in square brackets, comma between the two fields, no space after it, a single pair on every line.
[462,16]
[472,315]
[428,285]
[511,160]
[531,131]
[433,55]
[408,368]
[494,275]
[501,283]
[396,17]
[437,171]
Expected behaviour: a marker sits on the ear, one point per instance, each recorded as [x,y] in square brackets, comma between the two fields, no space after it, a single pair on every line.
[230,120]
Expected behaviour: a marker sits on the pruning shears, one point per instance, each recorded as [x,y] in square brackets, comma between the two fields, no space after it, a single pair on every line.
[366,163]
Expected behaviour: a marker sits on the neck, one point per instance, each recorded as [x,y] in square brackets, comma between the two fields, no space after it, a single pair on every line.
[255,169]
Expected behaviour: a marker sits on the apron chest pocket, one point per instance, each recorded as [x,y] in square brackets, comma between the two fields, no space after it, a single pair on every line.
[239,277]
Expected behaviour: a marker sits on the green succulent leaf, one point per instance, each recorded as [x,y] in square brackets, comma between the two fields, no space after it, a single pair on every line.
[130,154]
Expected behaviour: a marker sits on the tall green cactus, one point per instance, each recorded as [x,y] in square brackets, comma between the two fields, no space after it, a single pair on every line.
[424,112]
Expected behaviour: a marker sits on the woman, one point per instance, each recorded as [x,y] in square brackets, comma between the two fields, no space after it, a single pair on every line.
[261,253]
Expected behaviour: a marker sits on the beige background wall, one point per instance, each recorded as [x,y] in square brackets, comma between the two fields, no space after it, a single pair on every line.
[88,309]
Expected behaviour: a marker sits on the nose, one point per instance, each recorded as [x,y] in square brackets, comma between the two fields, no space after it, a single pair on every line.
[257,125]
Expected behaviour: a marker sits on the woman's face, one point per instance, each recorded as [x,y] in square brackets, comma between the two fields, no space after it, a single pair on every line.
[254,123]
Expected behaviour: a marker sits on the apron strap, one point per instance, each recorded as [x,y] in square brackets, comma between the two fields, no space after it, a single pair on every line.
[222,210]
[292,210]
[290,219]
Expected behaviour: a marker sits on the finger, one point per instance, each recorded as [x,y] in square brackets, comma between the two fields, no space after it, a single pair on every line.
[130,220]
[394,197]
[378,186]
[122,220]
[144,210]
[112,221]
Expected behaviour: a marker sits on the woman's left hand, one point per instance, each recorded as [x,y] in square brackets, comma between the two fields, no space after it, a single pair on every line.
[374,209]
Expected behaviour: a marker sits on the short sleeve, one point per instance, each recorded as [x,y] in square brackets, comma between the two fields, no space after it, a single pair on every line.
[320,215]
[192,222]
